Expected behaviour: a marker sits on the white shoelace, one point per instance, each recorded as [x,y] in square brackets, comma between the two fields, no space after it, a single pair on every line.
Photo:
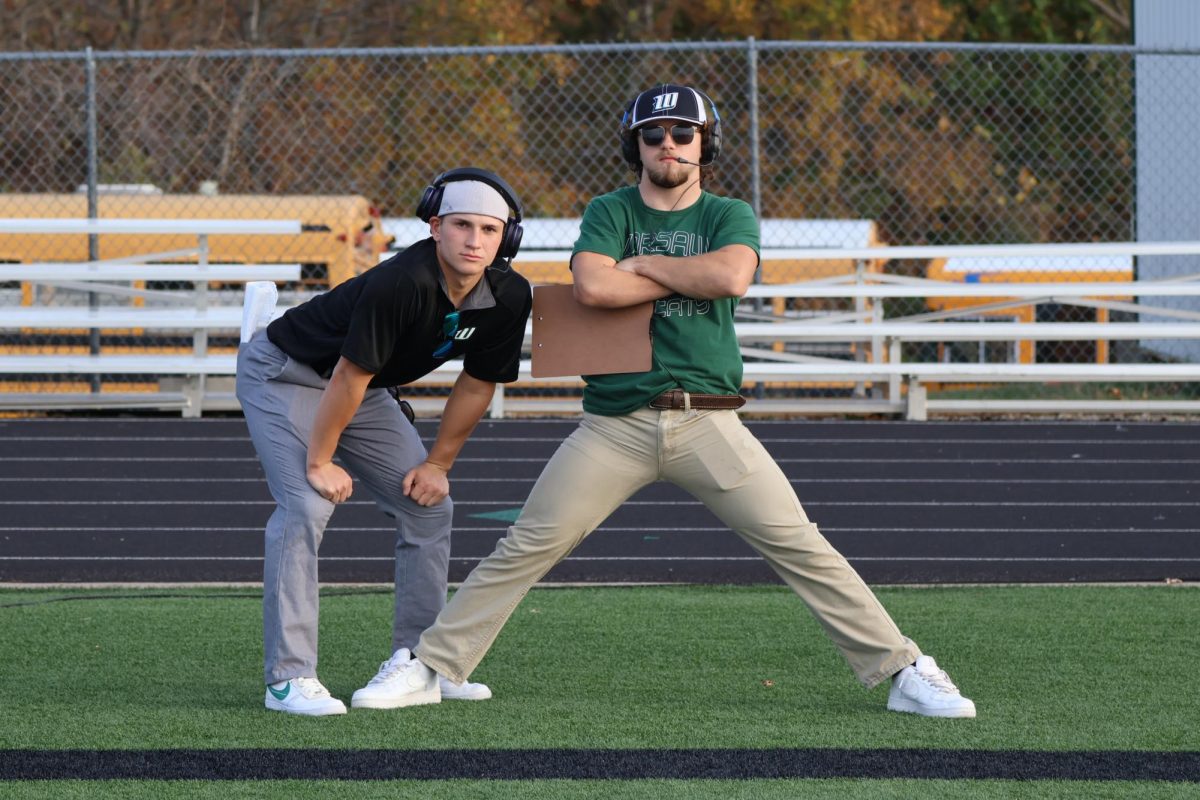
[939,680]
[390,669]
[311,688]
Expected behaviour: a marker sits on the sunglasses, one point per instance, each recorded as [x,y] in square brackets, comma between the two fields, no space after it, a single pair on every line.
[449,328]
[682,134]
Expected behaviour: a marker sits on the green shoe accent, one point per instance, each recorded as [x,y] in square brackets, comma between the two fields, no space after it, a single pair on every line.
[280,693]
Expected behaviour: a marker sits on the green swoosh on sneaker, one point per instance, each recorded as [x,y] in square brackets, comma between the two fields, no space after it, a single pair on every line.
[279,694]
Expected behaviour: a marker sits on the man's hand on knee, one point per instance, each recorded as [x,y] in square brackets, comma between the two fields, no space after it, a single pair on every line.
[426,484]
[331,482]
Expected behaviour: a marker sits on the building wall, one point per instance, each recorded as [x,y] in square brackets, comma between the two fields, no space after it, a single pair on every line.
[1168,157]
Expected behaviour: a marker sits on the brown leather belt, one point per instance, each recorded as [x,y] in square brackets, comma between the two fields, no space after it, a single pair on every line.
[676,399]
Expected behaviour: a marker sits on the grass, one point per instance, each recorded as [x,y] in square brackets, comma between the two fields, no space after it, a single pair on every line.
[1067,668]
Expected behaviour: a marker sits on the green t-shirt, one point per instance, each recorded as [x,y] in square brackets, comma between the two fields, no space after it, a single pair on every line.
[694,343]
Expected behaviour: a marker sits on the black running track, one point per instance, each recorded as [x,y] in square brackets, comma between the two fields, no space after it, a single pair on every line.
[560,764]
[153,499]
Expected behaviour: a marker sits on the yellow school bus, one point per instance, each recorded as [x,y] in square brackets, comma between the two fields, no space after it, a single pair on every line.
[342,235]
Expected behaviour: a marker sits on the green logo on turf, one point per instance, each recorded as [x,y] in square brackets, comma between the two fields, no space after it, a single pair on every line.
[280,693]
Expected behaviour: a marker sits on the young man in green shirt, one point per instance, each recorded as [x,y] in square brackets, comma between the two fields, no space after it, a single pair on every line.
[694,254]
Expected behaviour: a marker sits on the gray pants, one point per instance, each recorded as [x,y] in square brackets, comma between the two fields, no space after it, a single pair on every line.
[279,398]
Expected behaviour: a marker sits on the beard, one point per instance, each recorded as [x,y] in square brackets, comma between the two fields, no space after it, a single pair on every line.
[665,175]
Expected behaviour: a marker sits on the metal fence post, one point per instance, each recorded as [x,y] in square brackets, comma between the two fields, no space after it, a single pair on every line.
[755,167]
[92,196]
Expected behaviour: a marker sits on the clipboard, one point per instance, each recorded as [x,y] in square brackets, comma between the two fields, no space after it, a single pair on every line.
[573,339]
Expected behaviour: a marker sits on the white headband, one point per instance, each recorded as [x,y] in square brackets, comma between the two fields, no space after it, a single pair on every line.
[472,197]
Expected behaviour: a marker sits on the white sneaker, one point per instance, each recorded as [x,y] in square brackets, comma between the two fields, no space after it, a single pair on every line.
[304,696]
[463,691]
[401,681]
[926,690]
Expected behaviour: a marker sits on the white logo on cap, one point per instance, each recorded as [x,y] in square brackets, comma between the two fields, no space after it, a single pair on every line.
[666,101]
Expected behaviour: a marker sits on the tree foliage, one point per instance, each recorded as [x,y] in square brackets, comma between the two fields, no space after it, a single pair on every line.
[937,145]
[209,24]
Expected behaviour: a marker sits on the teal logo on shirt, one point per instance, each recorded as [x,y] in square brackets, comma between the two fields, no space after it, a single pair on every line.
[666,243]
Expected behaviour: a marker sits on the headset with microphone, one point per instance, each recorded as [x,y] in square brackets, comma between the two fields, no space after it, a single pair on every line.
[710,136]
[431,202]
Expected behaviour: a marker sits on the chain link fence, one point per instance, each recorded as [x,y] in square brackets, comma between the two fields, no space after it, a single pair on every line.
[832,143]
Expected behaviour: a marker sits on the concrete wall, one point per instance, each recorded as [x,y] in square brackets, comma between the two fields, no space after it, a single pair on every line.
[1168,153]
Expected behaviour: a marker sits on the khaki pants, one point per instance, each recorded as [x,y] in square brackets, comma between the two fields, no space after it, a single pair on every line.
[714,457]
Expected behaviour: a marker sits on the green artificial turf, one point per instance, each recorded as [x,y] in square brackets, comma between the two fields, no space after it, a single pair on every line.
[1085,667]
[1049,667]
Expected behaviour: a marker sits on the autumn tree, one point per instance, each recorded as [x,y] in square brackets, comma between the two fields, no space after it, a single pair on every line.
[937,145]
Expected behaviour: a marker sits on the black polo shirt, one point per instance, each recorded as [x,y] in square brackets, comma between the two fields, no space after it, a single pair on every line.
[388,321]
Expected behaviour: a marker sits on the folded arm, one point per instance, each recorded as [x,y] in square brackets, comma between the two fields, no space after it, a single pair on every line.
[603,282]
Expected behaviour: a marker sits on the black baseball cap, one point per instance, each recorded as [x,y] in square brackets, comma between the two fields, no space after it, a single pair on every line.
[668,101]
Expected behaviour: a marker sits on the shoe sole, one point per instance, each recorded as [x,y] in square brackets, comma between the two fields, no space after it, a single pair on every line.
[415,699]
[316,712]
[941,713]
[476,696]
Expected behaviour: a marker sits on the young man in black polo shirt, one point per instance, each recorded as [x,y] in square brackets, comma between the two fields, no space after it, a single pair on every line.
[314,385]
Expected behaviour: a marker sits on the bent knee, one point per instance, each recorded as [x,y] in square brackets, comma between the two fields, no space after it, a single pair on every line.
[441,512]
[310,508]
[546,540]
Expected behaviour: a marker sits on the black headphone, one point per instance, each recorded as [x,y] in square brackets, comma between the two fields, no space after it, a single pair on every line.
[710,135]
[431,201]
